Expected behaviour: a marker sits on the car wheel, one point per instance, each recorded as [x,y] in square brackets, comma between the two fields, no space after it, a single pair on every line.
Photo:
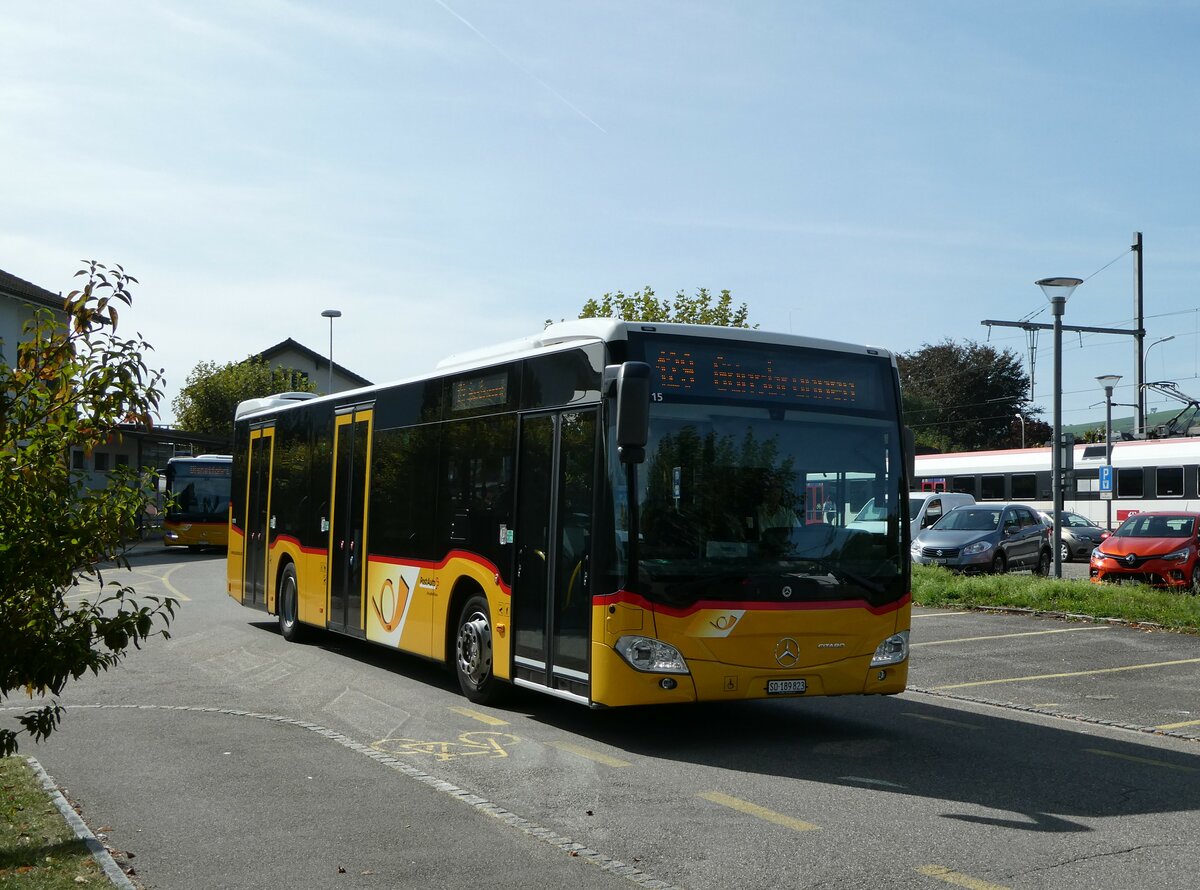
[1043,564]
[1064,551]
[999,564]
[1196,577]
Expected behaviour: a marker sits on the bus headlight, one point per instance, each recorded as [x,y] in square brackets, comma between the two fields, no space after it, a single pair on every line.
[893,650]
[651,655]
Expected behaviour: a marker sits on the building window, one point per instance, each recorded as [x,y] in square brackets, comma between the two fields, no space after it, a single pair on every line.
[122,460]
[77,460]
[101,459]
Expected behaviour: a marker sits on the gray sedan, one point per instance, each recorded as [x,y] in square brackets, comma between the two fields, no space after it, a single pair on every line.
[1080,536]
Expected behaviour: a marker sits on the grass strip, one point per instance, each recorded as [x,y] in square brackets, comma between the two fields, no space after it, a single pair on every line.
[1135,603]
[38,850]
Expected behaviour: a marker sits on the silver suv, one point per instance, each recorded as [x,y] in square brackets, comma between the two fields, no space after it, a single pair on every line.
[986,538]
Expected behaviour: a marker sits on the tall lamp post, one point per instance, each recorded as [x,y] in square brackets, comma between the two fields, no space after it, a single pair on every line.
[331,314]
[1107,382]
[1022,419]
[1146,358]
[1057,291]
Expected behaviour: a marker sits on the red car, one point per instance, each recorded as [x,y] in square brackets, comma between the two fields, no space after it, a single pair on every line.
[1154,548]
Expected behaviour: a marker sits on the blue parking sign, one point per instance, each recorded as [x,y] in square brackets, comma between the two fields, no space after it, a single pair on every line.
[1106,478]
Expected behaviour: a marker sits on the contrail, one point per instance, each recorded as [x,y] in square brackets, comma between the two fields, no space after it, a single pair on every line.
[522,68]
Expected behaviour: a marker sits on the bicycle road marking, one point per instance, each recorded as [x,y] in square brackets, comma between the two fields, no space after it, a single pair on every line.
[469,744]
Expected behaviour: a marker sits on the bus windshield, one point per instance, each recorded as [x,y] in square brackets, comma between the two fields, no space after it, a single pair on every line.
[757,504]
[199,489]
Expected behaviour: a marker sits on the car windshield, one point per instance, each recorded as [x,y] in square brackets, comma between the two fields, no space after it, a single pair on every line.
[1147,526]
[969,519]
[1074,520]
[914,507]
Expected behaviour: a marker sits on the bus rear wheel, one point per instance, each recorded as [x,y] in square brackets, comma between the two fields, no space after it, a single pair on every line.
[473,653]
[287,607]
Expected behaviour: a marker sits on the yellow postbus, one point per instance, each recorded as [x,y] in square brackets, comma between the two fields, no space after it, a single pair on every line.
[197,512]
[613,513]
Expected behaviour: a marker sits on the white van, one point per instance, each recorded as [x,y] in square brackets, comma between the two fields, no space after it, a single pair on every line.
[924,509]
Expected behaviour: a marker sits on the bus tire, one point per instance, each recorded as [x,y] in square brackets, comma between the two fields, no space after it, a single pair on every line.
[473,653]
[288,604]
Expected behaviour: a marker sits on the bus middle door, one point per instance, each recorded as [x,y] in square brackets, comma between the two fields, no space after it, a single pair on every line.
[258,504]
[348,523]
[551,597]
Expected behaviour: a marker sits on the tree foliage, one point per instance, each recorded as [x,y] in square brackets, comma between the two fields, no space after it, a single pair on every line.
[644,305]
[212,392]
[72,386]
[966,397]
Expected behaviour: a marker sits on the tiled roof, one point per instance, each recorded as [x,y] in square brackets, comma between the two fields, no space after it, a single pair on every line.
[12,286]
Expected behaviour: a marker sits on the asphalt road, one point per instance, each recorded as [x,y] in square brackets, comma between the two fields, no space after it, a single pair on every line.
[1029,752]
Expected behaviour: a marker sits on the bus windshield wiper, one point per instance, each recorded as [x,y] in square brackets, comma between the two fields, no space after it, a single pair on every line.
[844,575]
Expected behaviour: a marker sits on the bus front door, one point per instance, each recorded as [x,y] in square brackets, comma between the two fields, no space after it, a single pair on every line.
[258,504]
[348,523]
[551,597]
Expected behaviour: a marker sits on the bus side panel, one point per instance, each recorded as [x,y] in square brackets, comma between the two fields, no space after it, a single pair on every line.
[234,565]
[285,548]
[408,605]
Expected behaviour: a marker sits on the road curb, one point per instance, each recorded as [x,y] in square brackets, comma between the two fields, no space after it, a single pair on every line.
[103,858]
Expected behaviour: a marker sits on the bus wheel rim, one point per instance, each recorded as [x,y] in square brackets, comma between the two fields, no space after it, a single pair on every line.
[475,648]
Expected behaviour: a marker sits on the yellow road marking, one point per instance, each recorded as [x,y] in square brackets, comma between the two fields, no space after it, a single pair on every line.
[957,878]
[751,809]
[1179,725]
[943,720]
[482,718]
[1132,667]
[175,591]
[1145,760]
[1030,633]
[590,755]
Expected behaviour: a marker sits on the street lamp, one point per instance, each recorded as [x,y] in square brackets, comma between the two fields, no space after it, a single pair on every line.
[1107,382]
[1146,358]
[1057,291]
[1022,419]
[331,314]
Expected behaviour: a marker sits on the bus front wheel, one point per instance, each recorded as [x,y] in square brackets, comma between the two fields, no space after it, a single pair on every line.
[473,653]
[287,606]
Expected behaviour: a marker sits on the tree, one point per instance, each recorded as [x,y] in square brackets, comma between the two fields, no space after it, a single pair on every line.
[72,386]
[643,305]
[212,392]
[965,397]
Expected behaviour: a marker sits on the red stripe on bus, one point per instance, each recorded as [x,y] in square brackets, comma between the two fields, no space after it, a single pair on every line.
[633,599]
[453,554]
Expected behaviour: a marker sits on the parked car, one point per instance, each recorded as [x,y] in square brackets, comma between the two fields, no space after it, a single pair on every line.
[1153,548]
[924,509]
[986,538]
[1079,535]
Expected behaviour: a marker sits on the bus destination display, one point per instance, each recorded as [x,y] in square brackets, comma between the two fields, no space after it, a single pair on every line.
[714,370]
[483,391]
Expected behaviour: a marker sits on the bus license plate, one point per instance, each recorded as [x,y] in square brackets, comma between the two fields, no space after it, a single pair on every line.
[786,687]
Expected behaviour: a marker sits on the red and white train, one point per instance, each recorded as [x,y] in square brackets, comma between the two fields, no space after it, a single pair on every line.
[1149,474]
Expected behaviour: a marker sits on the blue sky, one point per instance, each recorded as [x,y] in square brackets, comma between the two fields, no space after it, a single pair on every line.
[450,173]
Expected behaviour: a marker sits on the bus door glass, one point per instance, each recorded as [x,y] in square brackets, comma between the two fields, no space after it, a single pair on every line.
[258,502]
[347,528]
[556,473]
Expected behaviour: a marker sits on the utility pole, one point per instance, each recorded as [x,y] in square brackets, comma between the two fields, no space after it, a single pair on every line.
[1139,420]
